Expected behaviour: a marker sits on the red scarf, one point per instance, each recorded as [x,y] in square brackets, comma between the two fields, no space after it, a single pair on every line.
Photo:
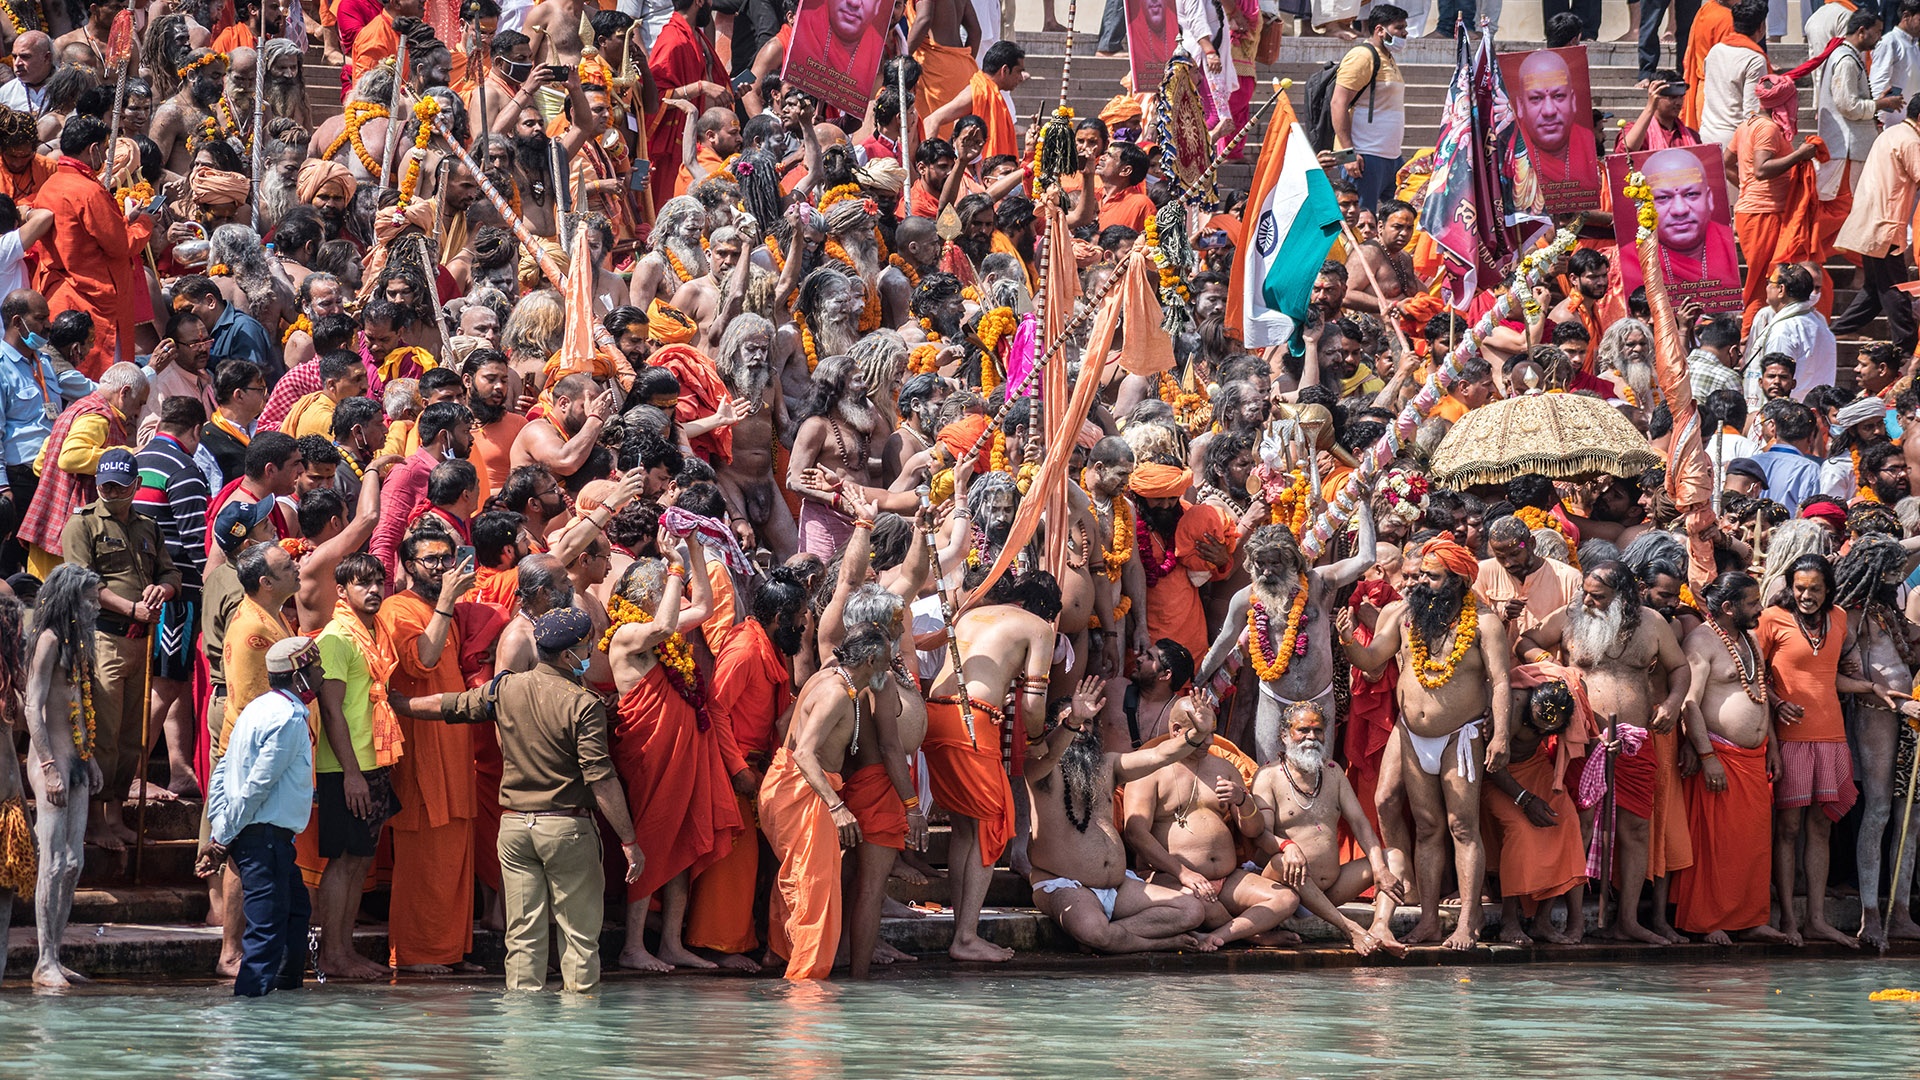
[61,492]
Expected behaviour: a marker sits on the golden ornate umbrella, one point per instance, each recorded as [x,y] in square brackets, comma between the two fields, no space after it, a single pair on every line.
[1558,435]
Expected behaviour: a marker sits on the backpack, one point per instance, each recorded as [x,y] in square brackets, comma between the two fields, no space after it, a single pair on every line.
[1318,119]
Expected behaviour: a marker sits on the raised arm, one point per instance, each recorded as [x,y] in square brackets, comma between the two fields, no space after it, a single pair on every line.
[1365,554]
[1185,736]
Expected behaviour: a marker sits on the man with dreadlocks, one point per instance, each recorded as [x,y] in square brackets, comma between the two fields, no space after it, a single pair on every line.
[357,138]
[1867,583]
[1451,651]
[25,169]
[826,322]
[938,312]
[678,255]
[1730,796]
[760,515]
[203,79]
[1281,619]
[1614,640]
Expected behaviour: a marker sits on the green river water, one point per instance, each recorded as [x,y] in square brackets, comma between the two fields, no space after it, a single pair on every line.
[1787,1019]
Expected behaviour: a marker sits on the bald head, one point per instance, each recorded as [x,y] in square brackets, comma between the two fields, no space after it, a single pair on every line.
[32,57]
[1546,100]
[829,135]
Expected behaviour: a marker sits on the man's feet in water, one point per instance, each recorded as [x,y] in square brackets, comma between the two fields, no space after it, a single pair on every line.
[681,956]
[56,977]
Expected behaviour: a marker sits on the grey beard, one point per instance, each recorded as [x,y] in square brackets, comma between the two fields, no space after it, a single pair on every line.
[691,257]
[1309,757]
[861,414]
[1593,638]
[748,382]
[835,337]
[866,256]
[276,199]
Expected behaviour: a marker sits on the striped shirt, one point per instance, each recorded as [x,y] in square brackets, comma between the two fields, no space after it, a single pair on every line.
[173,492]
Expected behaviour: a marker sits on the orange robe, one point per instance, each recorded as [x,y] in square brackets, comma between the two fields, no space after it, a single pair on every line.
[1173,602]
[493,451]
[1536,864]
[374,43]
[237,36]
[1726,887]
[883,817]
[751,688]
[677,786]
[1711,26]
[1668,847]
[1003,136]
[21,187]
[431,920]
[803,914]
[88,262]
[945,70]
[966,775]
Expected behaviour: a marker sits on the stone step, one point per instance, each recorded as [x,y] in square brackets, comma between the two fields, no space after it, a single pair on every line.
[164,905]
[162,862]
[1007,889]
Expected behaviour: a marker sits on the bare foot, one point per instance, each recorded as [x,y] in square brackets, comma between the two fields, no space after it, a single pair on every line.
[1871,932]
[978,950]
[738,962]
[681,956]
[637,958]
[1823,932]
[1053,26]
[894,909]
[105,839]
[1363,942]
[1719,937]
[891,954]
[1666,930]
[425,969]
[1513,935]
[1275,938]
[123,834]
[354,967]
[1424,932]
[1626,931]
[226,968]
[1764,933]
[154,792]
[1195,942]
[51,977]
[184,787]
[1901,926]
[902,872]
[1463,939]
[1544,930]
[1387,941]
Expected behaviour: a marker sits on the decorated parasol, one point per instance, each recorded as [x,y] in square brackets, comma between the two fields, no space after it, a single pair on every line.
[1557,435]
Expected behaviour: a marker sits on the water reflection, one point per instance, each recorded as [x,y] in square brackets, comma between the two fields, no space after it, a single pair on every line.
[1667,1020]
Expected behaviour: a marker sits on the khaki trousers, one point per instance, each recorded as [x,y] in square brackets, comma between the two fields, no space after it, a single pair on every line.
[550,868]
[119,705]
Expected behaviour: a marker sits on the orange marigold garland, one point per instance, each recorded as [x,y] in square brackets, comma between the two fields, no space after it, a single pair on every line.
[1291,505]
[923,360]
[673,652]
[906,268]
[1270,662]
[1434,674]
[358,113]
[424,111]
[1535,518]
[301,325]
[1861,489]
[1192,409]
[994,326]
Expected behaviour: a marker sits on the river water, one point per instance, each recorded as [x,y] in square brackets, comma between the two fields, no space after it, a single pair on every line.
[1791,1018]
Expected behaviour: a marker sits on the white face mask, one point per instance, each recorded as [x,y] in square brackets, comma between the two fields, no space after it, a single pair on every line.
[1393,43]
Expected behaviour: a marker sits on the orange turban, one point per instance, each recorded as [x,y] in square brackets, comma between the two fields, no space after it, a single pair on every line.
[393,221]
[668,325]
[1122,110]
[214,187]
[1453,556]
[960,436]
[317,176]
[1154,481]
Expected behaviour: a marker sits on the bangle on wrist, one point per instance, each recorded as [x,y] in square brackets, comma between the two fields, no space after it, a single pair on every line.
[837,807]
[1285,843]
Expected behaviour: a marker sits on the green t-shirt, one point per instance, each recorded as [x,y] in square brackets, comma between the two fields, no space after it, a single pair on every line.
[340,660]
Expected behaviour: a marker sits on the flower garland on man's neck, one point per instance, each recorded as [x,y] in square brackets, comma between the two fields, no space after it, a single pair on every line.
[808,347]
[673,653]
[301,325]
[1270,663]
[357,114]
[424,111]
[907,269]
[230,125]
[1434,674]
[1535,518]
[1143,540]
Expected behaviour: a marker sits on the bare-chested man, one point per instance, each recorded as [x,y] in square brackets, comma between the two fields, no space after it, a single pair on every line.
[1108,474]
[1730,797]
[563,439]
[760,513]
[841,419]
[1384,260]
[917,254]
[62,763]
[553,32]
[1306,796]
[937,310]
[337,133]
[1867,582]
[1005,651]
[1615,641]
[826,318]
[714,299]
[1534,819]
[1451,650]
[1080,876]
[676,258]
[1289,669]
[203,79]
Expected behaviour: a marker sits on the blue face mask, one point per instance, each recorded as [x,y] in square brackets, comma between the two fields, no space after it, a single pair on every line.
[35,341]
[580,666]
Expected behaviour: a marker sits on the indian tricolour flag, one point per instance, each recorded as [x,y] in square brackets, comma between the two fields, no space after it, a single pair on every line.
[1294,221]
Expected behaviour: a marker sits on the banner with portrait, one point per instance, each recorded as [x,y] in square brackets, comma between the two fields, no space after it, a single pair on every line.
[836,51]
[1552,98]
[1695,228]
[1152,34]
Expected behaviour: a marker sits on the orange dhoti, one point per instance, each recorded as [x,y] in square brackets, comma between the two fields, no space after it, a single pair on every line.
[966,774]
[883,817]
[1767,240]
[678,788]
[1536,864]
[720,907]
[430,920]
[1732,832]
[945,70]
[804,914]
[1669,848]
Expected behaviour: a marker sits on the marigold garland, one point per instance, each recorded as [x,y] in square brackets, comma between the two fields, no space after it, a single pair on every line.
[301,325]
[997,458]
[678,267]
[231,126]
[1260,636]
[1535,518]
[83,729]
[210,58]
[1290,507]
[994,326]
[424,111]
[139,193]
[923,360]
[926,327]
[807,345]
[1171,280]
[989,374]
[1861,489]
[357,114]
[869,314]
[1434,674]
[907,269]
[219,270]
[1023,479]
[1192,409]
[673,652]
[835,194]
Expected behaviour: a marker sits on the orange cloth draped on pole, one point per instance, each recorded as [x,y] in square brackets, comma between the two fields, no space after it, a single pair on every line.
[967,776]
[700,394]
[883,817]
[989,104]
[750,690]
[1062,289]
[681,55]
[1712,25]
[677,787]
[431,920]
[803,912]
[1732,832]
[87,262]
[1668,847]
[1536,864]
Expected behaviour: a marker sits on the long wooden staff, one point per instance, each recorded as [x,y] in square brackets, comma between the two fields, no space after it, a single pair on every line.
[393,115]
[1906,823]
[947,617]
[1608,809]
[260,110]
[120,54]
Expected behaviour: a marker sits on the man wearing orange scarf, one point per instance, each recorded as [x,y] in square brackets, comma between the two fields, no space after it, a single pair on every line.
[360,740]
[1776,217]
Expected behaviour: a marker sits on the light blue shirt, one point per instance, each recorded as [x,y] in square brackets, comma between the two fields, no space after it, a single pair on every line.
[27,422]
[266,777]
[1793,478]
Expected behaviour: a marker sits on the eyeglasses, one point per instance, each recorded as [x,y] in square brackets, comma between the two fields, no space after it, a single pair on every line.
[435,562]
[261,389]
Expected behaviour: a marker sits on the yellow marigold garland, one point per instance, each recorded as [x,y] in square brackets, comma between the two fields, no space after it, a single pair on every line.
[836,194]
[80,714]
[357,114]
[1434,674]
[906,268]
[1535,518]
[807,345]
[1192,409]
[1862,490]
[301,325]
[424,111]
[995,326]
[923,360]
[212,57]
[1259,635]
[1291,507]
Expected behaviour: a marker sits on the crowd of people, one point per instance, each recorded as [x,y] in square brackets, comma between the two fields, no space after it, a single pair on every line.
[587,458]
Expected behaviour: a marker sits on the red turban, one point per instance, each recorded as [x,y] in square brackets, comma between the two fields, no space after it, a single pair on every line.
[960,436]
[1454,557]
[1828,510]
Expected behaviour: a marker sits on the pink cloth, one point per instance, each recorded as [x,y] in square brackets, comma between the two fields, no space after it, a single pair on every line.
[1816,772]
[823,530]
[1593,788]
[405,485]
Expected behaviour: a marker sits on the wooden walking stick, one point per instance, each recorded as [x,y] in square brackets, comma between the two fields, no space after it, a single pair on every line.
[1906,821]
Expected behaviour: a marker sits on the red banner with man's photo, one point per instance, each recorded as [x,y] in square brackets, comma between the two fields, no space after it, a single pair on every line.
[1695,229]
[836,51]
[1152,34]
[1553,100]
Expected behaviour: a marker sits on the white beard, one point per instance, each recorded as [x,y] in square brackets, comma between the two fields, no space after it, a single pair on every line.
[690,255]
[835,337]
[276,199]
[1307,757]
[1591,638]
[748,382]
[865,253]
[1639,375]
[861,414]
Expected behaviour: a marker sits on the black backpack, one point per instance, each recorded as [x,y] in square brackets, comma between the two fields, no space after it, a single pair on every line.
[1318,118]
